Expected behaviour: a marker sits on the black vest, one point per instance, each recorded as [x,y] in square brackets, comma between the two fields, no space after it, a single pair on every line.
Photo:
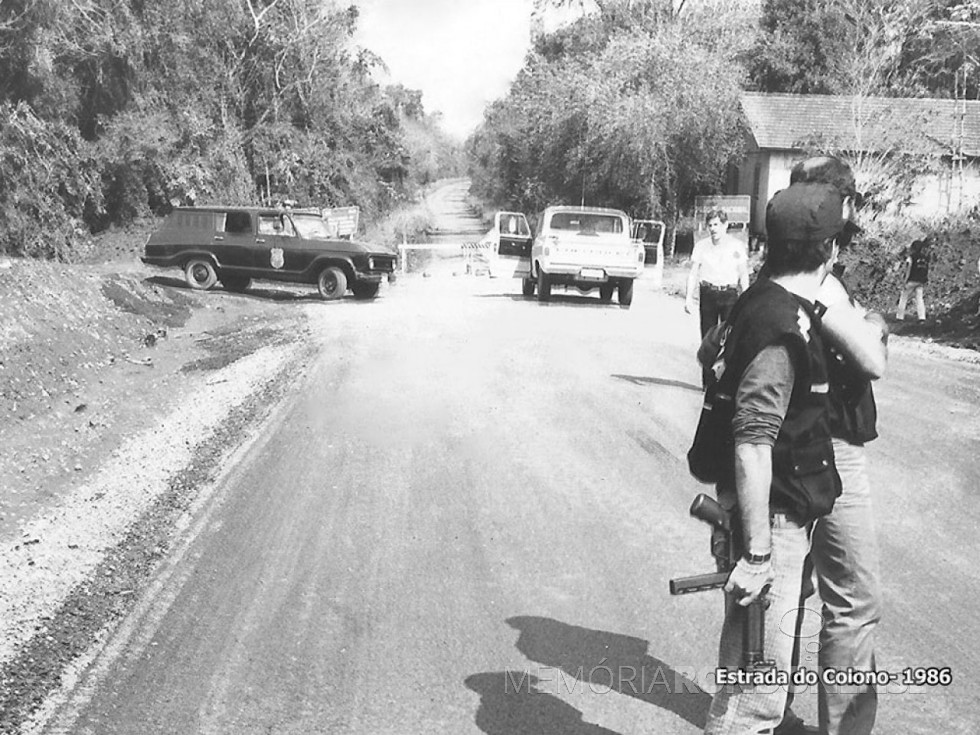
[805,482]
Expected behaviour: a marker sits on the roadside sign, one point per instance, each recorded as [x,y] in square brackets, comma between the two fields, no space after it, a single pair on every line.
[342,219]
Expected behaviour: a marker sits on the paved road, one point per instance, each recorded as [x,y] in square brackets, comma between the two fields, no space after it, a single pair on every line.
[466,520]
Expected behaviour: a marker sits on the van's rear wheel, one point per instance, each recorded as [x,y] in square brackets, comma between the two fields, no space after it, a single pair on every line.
[332,283]
[236,283]
[200,274]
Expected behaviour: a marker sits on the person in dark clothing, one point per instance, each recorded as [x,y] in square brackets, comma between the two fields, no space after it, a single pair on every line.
[916,278]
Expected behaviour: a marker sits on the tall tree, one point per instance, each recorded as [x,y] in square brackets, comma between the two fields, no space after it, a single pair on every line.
[873,47]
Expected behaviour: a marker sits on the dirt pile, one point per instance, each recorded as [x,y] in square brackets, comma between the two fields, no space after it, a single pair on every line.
[61,324]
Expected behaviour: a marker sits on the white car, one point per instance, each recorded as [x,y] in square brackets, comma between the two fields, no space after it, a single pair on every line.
[584,247]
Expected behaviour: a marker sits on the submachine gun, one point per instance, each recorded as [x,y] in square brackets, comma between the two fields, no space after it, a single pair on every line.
[707,509]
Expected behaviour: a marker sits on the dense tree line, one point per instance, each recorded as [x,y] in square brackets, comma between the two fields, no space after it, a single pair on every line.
[635,105]
[113,109]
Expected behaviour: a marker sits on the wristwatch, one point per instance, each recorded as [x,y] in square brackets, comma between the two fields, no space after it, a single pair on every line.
[757,558]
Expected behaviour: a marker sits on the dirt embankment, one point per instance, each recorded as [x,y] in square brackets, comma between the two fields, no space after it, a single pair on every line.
[122,394]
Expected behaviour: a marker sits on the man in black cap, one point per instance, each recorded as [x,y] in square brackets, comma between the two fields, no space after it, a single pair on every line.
[781,474]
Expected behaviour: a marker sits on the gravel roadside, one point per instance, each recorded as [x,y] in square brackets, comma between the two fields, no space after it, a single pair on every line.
[123,404]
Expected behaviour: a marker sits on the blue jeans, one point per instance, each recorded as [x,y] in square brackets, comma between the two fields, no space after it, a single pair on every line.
[741,710]
[844,551]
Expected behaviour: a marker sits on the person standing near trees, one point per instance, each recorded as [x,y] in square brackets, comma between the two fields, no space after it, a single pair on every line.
[916,277]
[719,272]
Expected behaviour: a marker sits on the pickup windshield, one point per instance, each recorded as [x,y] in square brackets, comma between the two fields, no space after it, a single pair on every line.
[311,227]
[586,224]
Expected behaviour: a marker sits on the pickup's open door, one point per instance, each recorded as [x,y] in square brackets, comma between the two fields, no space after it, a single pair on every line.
[651,233]
[511,238]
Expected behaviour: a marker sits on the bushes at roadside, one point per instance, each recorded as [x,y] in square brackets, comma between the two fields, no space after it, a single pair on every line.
[49,183]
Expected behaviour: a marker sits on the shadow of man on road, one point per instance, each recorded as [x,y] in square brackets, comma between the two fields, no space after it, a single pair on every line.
[618,662]
[510,704]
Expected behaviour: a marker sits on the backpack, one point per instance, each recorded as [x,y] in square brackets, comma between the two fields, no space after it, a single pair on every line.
[711,458]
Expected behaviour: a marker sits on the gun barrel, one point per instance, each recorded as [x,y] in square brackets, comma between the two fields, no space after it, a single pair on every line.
[707,509]
[698,583]
[753,639]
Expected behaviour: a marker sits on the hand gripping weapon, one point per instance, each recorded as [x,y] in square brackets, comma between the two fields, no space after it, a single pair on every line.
[706,509]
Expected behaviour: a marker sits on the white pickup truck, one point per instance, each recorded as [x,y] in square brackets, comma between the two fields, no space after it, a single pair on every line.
[584,247]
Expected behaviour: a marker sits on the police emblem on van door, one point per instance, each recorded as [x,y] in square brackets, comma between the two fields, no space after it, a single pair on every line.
[277,258]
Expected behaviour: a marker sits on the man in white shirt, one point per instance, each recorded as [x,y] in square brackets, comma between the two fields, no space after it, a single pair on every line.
[719,270]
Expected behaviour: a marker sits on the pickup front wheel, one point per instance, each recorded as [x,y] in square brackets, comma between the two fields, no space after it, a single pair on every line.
[332,283]
[527,287]
[544,286]
[200,274]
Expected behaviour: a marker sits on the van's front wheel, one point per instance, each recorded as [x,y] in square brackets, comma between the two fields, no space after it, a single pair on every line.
[365,290]
[331,283]
[200,274]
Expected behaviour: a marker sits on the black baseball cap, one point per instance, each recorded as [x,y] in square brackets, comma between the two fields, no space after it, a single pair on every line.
[805,212]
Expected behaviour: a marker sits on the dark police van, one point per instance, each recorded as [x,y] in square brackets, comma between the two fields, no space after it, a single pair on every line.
[235,245]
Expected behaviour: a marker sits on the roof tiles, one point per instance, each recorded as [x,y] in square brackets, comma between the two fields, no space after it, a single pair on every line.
[787,121]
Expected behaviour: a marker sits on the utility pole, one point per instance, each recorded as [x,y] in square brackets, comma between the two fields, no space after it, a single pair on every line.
[960,123]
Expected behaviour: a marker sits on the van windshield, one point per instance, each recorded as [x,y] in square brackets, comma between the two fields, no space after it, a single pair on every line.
[312,227]
[586,223]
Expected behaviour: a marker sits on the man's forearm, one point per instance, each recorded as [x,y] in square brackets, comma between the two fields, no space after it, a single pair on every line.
[859,336]
[753,478]
[862,337]
[692,282]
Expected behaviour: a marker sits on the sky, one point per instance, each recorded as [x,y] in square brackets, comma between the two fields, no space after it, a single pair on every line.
[462,54]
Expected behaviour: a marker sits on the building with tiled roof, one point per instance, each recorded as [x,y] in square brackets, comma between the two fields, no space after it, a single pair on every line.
[782,126]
